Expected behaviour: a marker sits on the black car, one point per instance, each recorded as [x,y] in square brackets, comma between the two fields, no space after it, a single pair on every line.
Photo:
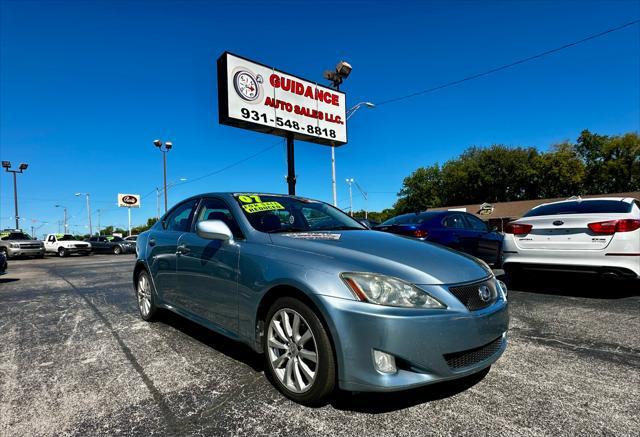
[3,263]
[111,244]
[455,229]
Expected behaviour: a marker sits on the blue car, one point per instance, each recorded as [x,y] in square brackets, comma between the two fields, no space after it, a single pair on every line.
[328,302]
[455,229]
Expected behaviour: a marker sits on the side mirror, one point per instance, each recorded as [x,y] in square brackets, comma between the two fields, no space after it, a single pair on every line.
[214,230]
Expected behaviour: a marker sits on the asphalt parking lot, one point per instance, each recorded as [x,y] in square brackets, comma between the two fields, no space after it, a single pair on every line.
[76,359]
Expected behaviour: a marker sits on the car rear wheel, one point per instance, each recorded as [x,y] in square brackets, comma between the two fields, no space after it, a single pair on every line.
[144,294]
[117,250]
[298,351]
[62,252]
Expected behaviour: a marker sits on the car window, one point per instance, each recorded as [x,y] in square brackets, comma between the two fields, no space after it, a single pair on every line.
[275,213]
[454,221]
[475,223]
[16,236]
[213,208]
[581,207]
[52,238]
[179,219]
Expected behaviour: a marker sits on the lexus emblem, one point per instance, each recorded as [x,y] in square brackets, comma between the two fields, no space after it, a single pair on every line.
[485,293]
[558,223]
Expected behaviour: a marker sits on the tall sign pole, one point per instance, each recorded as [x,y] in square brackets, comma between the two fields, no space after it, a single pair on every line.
[291,166]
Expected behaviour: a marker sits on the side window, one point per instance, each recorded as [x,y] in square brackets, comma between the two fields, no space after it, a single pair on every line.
[475,223]
[179,219]
[94,239]
[213,208]
[455,221]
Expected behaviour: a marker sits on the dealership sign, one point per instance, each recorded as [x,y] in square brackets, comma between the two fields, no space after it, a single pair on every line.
[128,200]
[257,97]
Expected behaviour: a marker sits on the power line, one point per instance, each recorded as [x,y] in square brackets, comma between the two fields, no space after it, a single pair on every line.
[512,64]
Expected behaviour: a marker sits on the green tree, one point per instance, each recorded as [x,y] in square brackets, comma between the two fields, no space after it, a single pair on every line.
[612,163]
[560,172]
[421,190]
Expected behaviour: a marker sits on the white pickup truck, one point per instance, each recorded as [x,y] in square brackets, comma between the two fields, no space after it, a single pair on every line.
[66,244]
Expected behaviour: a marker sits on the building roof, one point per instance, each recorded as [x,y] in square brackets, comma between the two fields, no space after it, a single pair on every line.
[518,208]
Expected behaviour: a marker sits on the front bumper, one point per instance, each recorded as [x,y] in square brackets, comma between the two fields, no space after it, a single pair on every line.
[14,252]
[418,339]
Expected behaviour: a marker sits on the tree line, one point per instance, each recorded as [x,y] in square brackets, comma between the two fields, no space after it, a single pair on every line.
[593,164]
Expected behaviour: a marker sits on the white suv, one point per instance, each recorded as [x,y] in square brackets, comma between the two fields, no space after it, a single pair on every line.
[597,235]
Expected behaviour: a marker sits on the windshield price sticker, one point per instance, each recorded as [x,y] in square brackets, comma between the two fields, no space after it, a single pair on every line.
[252,203]
[4,234]
[313,236]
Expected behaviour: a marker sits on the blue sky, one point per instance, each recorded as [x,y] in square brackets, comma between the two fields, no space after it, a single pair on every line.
[85,87]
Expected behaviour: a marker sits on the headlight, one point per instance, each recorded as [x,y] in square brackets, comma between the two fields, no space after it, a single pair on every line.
[384,290]
[14,245]
[503,288]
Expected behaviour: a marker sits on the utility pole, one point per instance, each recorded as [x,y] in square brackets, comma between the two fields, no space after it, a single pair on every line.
[66,227]
[157,203]
[23,166]
[98,211]
[366,199]
[88,211]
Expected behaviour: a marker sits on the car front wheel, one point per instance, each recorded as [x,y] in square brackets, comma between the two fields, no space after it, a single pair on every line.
[117,250]
[62,252]
[298,351]
[144,294]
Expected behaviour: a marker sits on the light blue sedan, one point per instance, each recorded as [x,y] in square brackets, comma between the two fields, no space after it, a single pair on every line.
[327,301]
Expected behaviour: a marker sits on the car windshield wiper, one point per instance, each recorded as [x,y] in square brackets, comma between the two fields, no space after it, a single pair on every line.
[340,228]
[281,230]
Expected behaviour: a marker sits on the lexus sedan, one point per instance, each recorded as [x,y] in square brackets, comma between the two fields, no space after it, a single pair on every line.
[455,229]
[111,244]
[328,302]
[590,236]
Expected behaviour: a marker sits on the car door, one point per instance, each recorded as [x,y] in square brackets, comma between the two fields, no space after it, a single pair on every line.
[162,247]
[207,270]
[459,236]
[486,244]
[50,244]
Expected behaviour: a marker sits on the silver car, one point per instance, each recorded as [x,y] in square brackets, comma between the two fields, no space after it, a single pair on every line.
[15,243]
[328,302]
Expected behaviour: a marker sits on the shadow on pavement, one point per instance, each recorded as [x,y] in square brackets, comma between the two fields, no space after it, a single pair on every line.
[573,285]
[232,349]
[6,280]
[394,401]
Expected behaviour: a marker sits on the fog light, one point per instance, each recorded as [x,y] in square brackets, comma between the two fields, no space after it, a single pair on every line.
[503,287]
[384,362]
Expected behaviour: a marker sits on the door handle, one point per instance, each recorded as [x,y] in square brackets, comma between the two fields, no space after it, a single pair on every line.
[152,241]
[182,249]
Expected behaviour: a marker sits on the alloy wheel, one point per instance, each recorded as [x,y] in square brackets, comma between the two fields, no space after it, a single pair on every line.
[292,349]
[144,295]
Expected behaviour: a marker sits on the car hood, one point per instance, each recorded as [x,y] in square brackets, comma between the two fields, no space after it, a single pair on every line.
[412,260]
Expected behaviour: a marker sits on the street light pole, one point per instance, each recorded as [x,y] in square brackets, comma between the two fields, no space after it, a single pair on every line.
[88,211]
[164,148]
[350,181]
[21,168]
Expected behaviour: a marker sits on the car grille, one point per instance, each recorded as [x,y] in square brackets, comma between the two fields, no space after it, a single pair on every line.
[469,295]
[30,246]
[458,360]
[81,246]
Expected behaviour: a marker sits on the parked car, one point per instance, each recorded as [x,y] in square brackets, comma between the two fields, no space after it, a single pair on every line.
[111,244]
[597,235]
[455,229]
[3,263]
[131,238]
[329,302]
[66,244]
[14,243]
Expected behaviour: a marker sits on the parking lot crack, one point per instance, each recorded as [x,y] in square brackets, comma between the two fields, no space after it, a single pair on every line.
[169,417]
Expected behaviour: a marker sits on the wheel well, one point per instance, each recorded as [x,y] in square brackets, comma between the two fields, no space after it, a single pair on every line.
[287,291]
[139,266]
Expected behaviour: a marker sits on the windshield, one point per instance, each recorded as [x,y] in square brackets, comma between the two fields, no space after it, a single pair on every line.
[15,236]
[117,239]
[581,207]
[409,219]
[270,213]
[67,237]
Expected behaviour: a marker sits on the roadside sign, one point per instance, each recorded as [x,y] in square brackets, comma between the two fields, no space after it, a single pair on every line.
[258,97]
[128,200]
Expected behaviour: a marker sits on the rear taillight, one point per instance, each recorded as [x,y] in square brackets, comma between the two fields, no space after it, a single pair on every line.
[517,228]
[419,233]
[612,226]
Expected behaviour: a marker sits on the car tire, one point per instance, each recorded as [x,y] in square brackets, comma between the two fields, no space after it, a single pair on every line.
[290,352]
[145,297]
[5,251]
[117,250]
[62,252]
[514,277]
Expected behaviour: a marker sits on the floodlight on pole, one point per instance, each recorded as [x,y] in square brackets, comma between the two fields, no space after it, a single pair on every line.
[164,148]
[21,168]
